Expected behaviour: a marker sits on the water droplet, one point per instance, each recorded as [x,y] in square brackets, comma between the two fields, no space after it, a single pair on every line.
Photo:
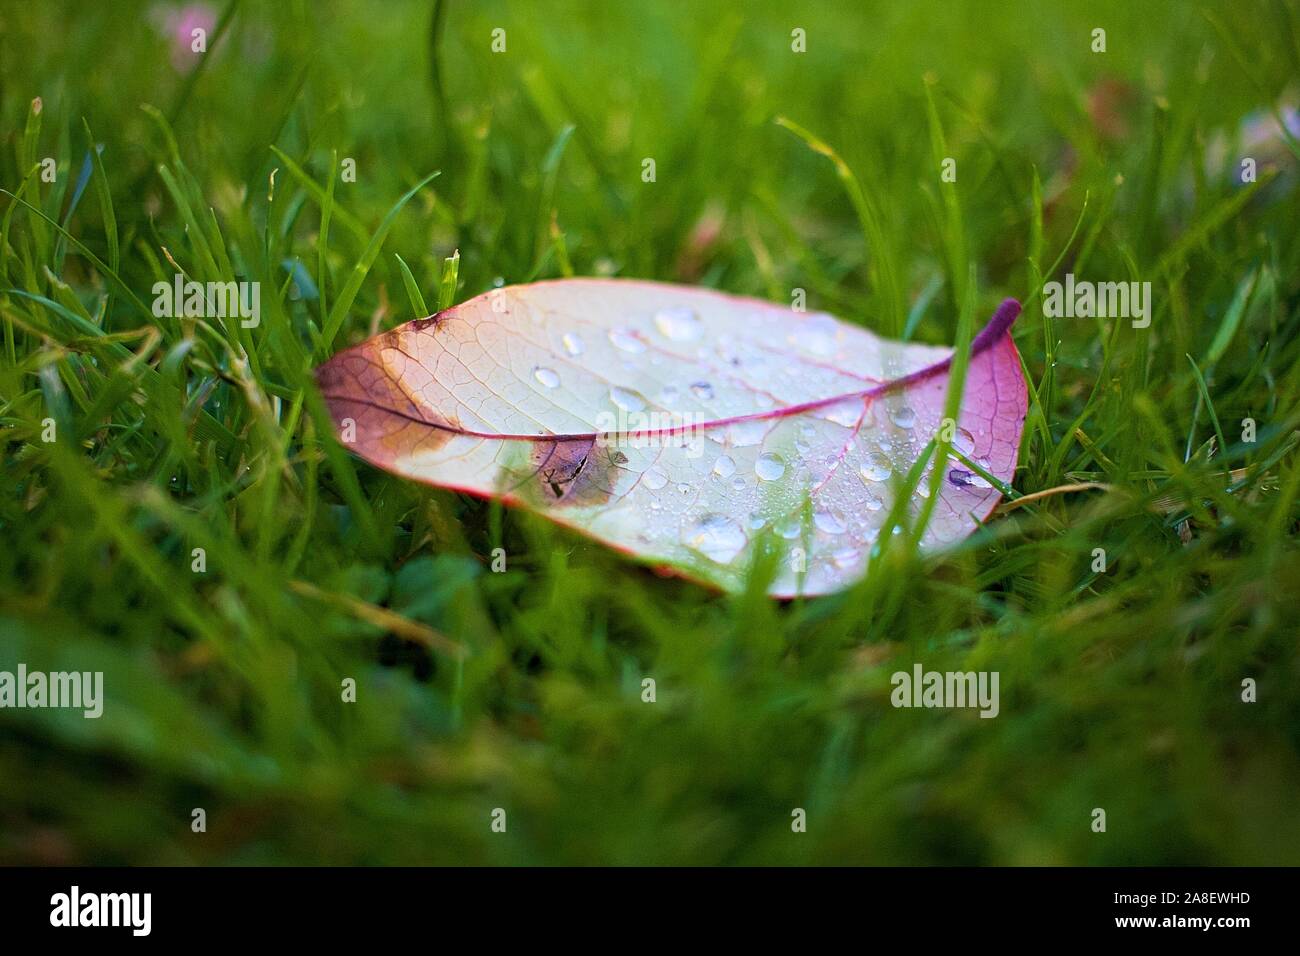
[964,442]
[724,467]
[817,334]
[757,521]
[875,468]
[625,340]
[627,399]
[668,394]
[684,488]
[829,522]
[654,479]
[703,391]
[678,324]
[902,416]
[738,483]
[770,466]
[546,376]
[967,479]
[846,558]
[715,536]
[747,433]
[572,343]
[844,413]
[790,527]
[872,503]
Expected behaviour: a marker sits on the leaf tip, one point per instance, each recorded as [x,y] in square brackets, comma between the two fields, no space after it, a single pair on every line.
[1003,318]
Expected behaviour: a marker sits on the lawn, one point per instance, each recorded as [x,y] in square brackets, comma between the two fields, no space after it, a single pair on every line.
[320,657]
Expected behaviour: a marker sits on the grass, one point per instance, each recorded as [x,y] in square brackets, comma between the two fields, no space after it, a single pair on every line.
[1121,689]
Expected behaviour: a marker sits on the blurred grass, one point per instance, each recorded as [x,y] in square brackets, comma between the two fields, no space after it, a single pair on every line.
[1120,690]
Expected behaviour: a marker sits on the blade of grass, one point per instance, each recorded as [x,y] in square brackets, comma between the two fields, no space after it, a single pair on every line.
[869,216]
[447,285]
[350,288]
[412,288]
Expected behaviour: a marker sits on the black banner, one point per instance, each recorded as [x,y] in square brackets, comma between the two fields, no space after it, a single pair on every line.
[335,905]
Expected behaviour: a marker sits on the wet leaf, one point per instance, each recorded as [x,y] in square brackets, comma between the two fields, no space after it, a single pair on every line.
[682,426]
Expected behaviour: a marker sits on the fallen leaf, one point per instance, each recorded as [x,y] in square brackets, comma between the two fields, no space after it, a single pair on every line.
[680,425]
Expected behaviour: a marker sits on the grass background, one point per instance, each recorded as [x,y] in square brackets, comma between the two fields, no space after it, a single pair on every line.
[521,690]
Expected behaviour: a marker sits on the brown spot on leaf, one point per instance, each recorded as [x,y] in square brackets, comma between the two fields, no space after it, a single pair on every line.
[570,472]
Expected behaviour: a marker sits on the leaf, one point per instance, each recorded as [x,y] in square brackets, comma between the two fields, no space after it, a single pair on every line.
[685,426]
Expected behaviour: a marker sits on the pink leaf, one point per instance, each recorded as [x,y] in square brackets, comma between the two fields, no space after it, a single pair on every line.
[679,425]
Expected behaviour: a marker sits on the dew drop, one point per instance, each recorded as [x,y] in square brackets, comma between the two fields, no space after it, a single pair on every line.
[546,376]
[903,416]
[846,558]
[678,324]
[875,468]
[770,466]
[654,479]
[872,503]
[627,399]
[844,413]
[572,343]
[790,527]
[817,334]
[757,521]
[967,479]
[625,340]
[703,391]
[668,394]
[724,467]
[964,442]
[715,536]
[829,522]
[745,434]
[738,483]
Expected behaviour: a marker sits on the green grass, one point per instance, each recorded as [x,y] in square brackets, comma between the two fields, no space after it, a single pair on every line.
[522,690]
